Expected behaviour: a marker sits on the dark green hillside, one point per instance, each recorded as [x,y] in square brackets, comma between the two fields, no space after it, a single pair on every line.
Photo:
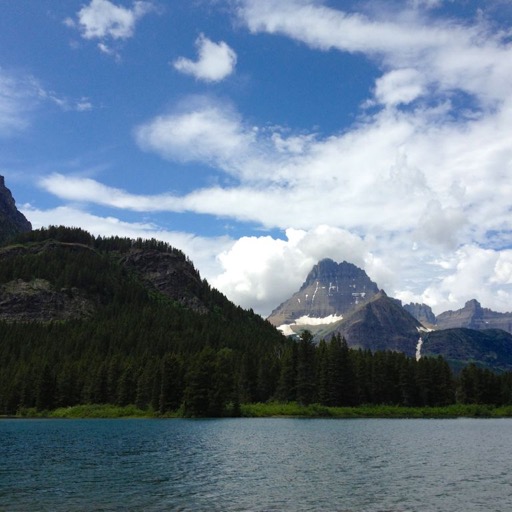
[80,325]
[114,321]
[491,348]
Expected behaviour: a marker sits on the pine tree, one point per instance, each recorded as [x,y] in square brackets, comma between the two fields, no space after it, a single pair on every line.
[306,384]
[171,383]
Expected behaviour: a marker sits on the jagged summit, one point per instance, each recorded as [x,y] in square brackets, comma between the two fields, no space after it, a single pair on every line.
[328,270]
[330,290]
[340,298]
[474,316]
[12,221]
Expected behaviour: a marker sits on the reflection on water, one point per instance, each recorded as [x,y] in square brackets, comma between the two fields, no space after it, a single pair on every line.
[255,465]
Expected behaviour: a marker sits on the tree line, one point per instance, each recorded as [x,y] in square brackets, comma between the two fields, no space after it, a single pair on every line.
[212,381]
[141,348]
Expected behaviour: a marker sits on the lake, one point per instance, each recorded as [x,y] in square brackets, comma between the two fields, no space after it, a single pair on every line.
[256,465]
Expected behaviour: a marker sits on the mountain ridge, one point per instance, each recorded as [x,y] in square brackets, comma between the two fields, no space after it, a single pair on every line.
[12,221]
[471,316]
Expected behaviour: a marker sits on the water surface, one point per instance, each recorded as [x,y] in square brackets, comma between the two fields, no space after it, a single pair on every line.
[256,465]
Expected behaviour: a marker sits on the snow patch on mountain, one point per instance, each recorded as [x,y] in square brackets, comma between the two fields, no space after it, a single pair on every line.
[287,329]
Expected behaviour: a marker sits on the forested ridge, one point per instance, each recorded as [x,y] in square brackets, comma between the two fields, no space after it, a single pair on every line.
[137,346]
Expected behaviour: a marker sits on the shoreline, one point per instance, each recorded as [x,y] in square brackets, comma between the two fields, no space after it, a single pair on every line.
[279,410]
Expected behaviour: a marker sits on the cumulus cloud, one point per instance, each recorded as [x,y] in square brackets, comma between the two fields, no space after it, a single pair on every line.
[101,19]
[106,21]
[470,272]
[261,272]
[215,61]
[399,86]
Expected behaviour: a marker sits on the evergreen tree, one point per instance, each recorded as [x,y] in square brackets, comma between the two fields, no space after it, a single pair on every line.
[287,386]
[306,373]
[171,383]
[45,391]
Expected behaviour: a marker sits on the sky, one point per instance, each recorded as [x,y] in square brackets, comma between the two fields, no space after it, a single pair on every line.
[261,136]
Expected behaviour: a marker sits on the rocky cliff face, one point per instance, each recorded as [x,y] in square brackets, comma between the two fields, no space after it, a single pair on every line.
[39,301]
[381,324]
[12,221]
[168,274]
[474,316]
[331,290]
[422,313]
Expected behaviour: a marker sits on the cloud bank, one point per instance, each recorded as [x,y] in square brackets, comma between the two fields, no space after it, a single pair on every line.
[417,191]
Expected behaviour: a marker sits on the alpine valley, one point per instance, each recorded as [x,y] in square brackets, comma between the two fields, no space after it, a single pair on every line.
[92,320]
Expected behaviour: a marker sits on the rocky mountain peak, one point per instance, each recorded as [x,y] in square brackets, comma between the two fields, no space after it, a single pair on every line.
[12,221]
[328,270]
[473,304]
[330,290]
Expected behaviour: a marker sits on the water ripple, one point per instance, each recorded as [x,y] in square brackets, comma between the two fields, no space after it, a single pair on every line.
[255,465]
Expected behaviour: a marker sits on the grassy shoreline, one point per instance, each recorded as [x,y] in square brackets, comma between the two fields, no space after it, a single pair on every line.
[282,410]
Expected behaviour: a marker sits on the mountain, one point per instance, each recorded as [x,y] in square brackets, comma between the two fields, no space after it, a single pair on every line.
[474,316]
[489,348]
[471,316]
[341,298]
[170,274]
[12,221]
[121,321]
[330,291]
[422,313]
[381,323]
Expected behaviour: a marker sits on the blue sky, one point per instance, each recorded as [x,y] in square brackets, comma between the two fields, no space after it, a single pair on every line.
[260,136]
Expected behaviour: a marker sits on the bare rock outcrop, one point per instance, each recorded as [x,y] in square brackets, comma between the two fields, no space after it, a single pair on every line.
[12,221]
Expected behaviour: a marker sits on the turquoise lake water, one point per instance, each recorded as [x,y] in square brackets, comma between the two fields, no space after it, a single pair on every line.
[256,465]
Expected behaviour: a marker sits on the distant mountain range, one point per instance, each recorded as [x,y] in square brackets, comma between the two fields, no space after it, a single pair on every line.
[471,316]
[341,298]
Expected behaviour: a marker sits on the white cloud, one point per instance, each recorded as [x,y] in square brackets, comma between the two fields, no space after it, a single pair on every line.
[473,272]
[207,132]
[399,86]
[103,19]
[417,193]
[18,98]
[215,61]
[261,272]
[109,23]
[87,190]
[445,54]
